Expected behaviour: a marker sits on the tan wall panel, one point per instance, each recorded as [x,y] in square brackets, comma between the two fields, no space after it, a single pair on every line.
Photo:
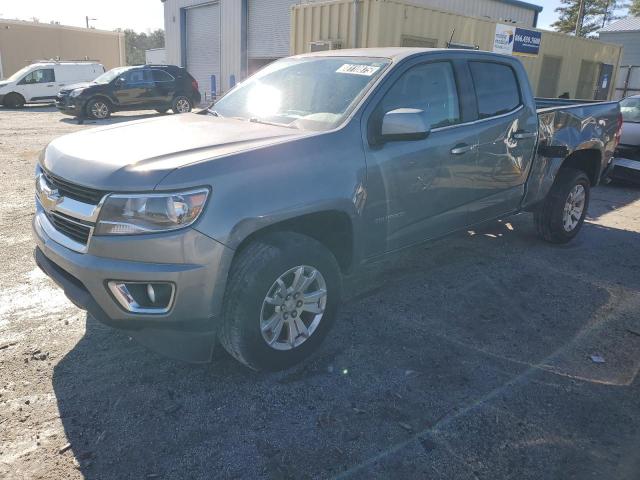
[382,23]
[21,43]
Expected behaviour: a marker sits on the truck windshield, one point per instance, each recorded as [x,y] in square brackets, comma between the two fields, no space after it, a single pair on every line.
[107,77]
[314,93]
[630,108]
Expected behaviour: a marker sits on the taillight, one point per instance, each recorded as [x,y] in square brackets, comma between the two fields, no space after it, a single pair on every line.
[194,84]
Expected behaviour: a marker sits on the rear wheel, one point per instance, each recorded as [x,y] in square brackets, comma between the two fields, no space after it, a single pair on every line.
[14,100]
[562,213]
[281,301]
[181,104]
[98,108]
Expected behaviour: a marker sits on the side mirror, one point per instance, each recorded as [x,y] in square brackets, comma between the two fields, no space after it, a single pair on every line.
[404,124]
[121,82]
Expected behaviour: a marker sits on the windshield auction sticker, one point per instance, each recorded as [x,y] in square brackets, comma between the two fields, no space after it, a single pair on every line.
[354,69]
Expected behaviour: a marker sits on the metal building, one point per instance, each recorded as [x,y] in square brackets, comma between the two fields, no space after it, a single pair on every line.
[22,43]
[626,33]
[557,64]
[229,39]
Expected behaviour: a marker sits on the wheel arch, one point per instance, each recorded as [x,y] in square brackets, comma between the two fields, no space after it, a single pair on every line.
[588,160]
[332,228]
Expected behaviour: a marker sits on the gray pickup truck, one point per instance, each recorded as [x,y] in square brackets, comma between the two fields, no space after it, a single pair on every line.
[237,224]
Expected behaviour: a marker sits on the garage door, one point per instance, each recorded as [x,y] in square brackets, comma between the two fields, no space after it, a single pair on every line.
[268,28]
[203,46]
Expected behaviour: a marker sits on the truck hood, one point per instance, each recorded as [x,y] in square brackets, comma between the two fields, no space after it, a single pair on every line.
[83,85]
[137,155]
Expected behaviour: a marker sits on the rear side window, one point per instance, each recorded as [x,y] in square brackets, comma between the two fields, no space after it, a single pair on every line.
[430,87]
[161,76]
[496,88]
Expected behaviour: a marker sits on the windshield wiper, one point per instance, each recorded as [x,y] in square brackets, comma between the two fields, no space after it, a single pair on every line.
[257,120]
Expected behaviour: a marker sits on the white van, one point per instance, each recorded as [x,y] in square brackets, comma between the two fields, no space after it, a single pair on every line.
[40,82]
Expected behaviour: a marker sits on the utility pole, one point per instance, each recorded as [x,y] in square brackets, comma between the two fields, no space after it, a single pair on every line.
[580,18]
[605,14]
[86,19]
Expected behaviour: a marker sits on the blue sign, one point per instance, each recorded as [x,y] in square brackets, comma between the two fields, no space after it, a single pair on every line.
[527,42]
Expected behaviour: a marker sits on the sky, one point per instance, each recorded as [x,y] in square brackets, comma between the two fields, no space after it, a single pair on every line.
[140,15]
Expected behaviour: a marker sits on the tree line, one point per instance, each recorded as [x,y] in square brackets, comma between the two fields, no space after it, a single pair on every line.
[597,14]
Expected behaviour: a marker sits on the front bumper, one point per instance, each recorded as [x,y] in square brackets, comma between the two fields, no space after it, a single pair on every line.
[188,330]
[70,106]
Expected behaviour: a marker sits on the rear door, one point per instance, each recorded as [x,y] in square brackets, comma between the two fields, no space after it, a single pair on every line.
[39,85]
[412,187]
[164,86]
[507,130]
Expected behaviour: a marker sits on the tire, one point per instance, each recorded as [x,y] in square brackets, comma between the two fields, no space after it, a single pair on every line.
[98,109]
[162,110]
[14,100]
[550,220]
[181,104]
[246,312]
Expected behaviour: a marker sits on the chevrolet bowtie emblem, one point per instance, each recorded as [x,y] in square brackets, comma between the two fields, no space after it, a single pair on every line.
[48,197]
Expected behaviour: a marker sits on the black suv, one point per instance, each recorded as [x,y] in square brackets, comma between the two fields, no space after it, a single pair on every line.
[147,87]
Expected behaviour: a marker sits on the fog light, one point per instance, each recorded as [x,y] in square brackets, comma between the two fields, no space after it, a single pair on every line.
[143,297]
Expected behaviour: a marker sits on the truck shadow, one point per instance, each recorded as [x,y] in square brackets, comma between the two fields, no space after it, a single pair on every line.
[464,349]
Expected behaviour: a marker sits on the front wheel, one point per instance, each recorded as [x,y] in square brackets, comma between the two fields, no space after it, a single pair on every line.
[181,104]
[562,214]
[14,100]
[281,301]
[98,109]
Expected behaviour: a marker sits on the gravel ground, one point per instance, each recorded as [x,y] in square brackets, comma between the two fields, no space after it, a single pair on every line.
[467,358]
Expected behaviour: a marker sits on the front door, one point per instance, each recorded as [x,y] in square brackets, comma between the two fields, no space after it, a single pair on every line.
[38,85]
[135,90]
[411,185]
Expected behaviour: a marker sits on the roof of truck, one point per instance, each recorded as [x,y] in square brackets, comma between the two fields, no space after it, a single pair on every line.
[393,53]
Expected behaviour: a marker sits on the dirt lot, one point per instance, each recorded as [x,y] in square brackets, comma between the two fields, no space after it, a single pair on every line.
[468,358]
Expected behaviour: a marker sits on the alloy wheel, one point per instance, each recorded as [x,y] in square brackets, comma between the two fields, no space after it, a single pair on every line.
[573,208]
[183,105]
[293,307]
[99,110]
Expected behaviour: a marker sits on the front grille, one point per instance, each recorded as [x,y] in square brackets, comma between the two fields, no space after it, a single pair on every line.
[71,228]
[75,191]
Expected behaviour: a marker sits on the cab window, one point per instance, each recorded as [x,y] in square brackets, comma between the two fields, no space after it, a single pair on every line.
[430,87]
[497,89]
[43,75]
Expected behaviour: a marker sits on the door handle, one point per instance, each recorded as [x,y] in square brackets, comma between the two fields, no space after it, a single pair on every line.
[461,149]
[522,135]
[50,86]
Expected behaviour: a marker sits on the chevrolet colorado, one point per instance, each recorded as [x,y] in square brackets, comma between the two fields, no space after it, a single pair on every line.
[237,224]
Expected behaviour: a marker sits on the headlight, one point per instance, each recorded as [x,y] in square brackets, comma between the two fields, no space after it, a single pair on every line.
[150,213]
[76,92]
